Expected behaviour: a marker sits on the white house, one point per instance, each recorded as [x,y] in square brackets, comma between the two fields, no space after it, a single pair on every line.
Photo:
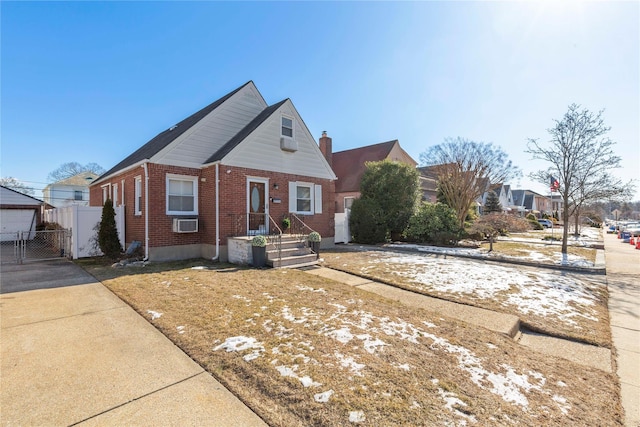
[70,191]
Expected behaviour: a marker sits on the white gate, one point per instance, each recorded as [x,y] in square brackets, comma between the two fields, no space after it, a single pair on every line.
[342,232]
[82,221]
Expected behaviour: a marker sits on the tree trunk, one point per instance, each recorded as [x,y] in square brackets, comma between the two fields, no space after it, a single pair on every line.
[565,224]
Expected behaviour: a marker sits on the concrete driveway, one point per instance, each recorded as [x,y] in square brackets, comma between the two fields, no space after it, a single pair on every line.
[75,354]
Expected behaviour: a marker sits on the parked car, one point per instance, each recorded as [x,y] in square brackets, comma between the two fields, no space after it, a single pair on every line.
[546,223]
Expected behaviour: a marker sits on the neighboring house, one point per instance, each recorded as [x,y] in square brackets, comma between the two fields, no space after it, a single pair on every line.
[527,201]
[504,196]
[349,166]
[18,212]
[234,168]
[428,184]
[70,191]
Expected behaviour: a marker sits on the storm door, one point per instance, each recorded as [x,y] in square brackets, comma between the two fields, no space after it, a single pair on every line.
[257,208]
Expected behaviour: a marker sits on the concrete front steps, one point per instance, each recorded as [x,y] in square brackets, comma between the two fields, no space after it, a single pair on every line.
[293,253]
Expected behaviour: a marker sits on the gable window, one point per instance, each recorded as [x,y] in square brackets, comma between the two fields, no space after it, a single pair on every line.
[182,195]
[77,195]
[305,198]
[287,127]
[137,201]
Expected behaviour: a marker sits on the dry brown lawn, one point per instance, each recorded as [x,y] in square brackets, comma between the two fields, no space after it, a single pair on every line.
[301,350]
[561,304]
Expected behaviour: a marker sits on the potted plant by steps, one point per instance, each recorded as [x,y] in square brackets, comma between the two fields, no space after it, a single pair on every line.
[314,242]
[286,223]
[259,251]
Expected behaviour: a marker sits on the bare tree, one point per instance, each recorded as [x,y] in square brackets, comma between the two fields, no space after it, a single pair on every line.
[464,169]
[69,169]
[581,157]
[17,185]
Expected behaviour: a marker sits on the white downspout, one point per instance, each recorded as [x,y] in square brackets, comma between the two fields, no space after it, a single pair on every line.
[215,258]
[146,212]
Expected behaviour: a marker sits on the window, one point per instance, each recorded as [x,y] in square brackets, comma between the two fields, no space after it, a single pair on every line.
[182,195]
[305,198]
[115,195]
[77,195]
[138,196]
[287,127]
[348,201]
[106,193]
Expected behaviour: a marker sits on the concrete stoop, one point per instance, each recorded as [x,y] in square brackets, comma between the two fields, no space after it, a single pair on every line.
[293,253]
[507,324]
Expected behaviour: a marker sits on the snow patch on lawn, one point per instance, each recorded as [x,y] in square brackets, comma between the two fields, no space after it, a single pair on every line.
[540,293]
[154,314]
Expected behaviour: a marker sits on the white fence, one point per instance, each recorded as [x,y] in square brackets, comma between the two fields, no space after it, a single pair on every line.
[342,233]
[82,221]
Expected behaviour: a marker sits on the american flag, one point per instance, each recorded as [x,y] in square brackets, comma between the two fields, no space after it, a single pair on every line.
[555,184]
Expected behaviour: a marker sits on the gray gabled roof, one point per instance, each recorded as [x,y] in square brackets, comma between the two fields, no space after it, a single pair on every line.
[244,132]
[9,196]
[165,138]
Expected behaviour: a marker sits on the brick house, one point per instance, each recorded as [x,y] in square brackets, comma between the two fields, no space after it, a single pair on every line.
[349,166]
[235,168]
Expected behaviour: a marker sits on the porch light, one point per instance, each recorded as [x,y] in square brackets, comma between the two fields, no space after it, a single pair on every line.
[275,186]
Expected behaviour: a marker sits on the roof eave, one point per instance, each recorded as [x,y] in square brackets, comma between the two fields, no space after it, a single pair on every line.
[118,172]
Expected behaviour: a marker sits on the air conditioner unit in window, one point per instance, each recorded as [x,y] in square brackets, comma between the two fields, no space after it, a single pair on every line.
[288,144]
[183,225]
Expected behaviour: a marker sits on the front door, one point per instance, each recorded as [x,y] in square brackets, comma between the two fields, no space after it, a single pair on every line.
[257,220]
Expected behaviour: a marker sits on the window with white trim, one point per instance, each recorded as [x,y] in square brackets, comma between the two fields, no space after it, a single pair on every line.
[137,201]
[77,195]
[182,195]
[106,193]
[115,195]
[287,127]
[305,198]
[348,202]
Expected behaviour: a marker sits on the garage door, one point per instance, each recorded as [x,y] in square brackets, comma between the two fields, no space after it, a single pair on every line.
[14,220]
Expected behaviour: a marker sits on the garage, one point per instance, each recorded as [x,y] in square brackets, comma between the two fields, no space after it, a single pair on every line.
[14,220]
[18,212]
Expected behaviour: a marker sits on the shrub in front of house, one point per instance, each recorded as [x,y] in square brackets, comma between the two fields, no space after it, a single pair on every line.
[434,223]
[108,240]
[366,222]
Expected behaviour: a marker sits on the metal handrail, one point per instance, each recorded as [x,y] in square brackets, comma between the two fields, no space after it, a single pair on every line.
[298,223]
[276,239]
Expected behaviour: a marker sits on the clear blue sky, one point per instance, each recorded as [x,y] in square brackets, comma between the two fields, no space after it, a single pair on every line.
[93,81]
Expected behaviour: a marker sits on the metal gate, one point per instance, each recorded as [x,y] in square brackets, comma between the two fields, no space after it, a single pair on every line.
[24,246]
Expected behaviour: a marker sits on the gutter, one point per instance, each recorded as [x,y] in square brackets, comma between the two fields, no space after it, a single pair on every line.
[215,258]
[146,211]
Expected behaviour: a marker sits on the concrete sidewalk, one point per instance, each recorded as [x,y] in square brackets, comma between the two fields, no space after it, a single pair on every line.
[623,279]
[78,355]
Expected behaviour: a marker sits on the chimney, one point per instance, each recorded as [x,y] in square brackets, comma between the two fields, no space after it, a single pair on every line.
[326,148]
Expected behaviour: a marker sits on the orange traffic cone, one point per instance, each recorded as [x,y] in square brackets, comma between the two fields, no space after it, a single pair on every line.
[638,244]
[632,241]
[619,233]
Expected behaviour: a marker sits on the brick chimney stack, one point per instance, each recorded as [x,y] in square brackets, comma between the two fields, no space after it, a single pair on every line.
[326,148]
